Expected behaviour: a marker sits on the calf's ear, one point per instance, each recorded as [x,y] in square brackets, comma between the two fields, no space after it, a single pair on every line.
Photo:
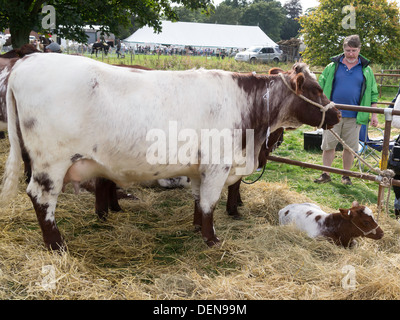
[299,82]
[355,204]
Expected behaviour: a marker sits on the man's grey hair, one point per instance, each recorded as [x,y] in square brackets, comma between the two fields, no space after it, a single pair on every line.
[352,41]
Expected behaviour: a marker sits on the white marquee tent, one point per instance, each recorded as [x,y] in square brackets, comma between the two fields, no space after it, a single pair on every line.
[202,35]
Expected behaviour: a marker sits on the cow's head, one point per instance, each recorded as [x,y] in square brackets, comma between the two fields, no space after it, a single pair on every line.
[363,222]
[303,83]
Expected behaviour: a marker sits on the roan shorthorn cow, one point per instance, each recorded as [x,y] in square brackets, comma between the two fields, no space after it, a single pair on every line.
[132,125]
[341,227]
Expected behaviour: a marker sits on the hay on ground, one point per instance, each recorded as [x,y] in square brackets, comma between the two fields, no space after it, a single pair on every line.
[150,251]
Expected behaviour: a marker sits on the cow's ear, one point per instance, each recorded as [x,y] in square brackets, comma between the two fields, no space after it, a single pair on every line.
[275,70]
[346,213]
[299,82]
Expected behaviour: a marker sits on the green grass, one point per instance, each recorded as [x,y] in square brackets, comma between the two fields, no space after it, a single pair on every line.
[333,194]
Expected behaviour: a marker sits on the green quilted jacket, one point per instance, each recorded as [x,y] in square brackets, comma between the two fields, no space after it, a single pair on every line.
[369,90]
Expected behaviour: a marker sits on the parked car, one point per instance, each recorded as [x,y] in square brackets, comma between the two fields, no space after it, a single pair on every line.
[260,54]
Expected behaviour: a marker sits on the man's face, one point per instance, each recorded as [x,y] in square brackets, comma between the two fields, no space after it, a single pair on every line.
[350,53]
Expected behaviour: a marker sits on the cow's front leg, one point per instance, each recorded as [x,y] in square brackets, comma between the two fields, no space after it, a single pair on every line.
[43,192]
[105,197]
[234,200]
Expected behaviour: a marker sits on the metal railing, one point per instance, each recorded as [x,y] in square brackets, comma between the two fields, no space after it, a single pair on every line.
[389,113]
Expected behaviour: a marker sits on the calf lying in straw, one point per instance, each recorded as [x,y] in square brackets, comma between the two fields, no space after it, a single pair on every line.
[341,227]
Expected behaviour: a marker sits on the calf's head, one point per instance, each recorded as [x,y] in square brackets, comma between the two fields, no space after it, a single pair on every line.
[304,83]
[363,221]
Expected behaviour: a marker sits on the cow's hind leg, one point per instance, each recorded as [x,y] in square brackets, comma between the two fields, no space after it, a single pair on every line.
[197,219]
[211,186]
[43,191]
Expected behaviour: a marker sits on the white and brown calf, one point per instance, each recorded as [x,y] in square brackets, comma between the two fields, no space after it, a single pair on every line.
[341,227]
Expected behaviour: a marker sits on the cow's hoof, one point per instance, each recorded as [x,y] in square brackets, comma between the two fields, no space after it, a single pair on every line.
[235,216]
[214,242]
[59,246]
[102,215]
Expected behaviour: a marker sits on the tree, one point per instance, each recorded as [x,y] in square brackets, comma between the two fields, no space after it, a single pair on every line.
[293,9]
[267,14]
[226,14]
[291,26]
[375,21]
[22,16]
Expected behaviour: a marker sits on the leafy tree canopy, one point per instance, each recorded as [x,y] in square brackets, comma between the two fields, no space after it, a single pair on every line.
[375,21]
[22,16]
[276,21]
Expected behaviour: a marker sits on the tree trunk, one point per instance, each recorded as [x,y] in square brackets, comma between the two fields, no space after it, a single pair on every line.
[19,36]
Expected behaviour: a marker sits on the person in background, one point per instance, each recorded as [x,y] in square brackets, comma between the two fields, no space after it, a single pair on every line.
[53,47]
[348,79]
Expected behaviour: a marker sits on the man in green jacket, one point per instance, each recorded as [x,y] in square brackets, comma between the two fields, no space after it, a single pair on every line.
[348,79]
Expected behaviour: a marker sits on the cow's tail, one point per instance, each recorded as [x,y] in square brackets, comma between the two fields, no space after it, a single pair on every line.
[13,165]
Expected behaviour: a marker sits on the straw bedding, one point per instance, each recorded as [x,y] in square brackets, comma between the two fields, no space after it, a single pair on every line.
[150,251]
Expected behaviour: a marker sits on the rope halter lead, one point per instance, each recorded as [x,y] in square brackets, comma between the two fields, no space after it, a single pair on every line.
[324,109]
[365,233]
[385,177]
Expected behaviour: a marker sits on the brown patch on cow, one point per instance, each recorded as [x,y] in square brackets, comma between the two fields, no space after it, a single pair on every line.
[287,212]
[257,117]
[94,83]
[5,65]
[8,61]
[94,148]
[134,68]
[20,52]
[317,218]
[30,123]
[76,157]
[281,99]
[308,213]
[44,181]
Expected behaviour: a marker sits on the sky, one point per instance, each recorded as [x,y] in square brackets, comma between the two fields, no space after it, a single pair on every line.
[304,3]
[310,3]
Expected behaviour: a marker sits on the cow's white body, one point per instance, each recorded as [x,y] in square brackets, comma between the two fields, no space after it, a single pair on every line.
[80,118]
[115,108]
